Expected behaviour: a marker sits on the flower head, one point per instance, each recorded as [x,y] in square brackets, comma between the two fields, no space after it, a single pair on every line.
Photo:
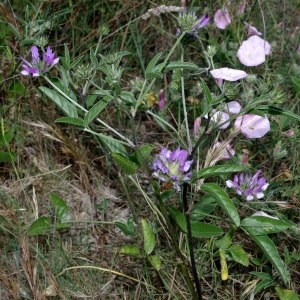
[161,99]
[37,66]
[189,22]
[232,107]
[221,118]
[249,187]
[251,30]
[222,18]
[172,166]
[252,126]
[227,74]
[253,51]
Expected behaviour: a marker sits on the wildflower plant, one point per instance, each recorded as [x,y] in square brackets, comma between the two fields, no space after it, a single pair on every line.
[197,176]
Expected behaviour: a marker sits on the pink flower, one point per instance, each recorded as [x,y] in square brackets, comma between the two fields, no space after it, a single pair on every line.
[242,7]
[251,30]
[161,99]
[197,124]
[232,107]
[222,18]
[252,126]
[228,74]
[226,153]
[253,51]
[220,117]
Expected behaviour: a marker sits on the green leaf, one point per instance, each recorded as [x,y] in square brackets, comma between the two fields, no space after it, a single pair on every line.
[151,71]
[223,200]
[149,238]
[96,110]
[262,275]
[263,285]
[128,166]
[93,58]
[204,207]
[61,207]
[39,226]
[7,156]
[128,97]
[264,225]
[142,154]
[216,171]
[61,101]
[225,241]
[239,255]
[131,250]
[199,229]
[269,249]
[71,121]
[286,294]
[126,228]
[67,59]
[206,103]
[155,262]
[113,145]
[174,65]
[90,100]
[272,110]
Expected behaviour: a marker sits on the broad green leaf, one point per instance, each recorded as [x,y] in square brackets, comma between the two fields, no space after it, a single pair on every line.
[262,275]
[286,294]
[263,285]
[90,100]
[206,103]
[223,200]
[272,110]
[62,102]
[174,65]
[113,145]
[149,238]
[128,97]
[128,166]
[155,262]
[39,226]
[217,170]
[269,249]
[142,154]
[132,250]
[126,228]
[7,157]
[150,70]
[264,225]
[203,208]
[96,110]
[67,59]
[239,255]
[225,242]
[199,229]
[71,121]
[61,207]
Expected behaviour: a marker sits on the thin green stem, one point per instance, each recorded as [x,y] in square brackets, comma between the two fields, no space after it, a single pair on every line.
[184,107]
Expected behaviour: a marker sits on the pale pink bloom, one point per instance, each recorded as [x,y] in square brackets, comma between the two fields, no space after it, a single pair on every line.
[232,107]
[226,153]
[252,126]
[197,125]
[263,214]
[289,133]
[222,18]
[161,99]
[245,156]
[220,117]
[251,30]
[242,7]
[228,74]
[253,51]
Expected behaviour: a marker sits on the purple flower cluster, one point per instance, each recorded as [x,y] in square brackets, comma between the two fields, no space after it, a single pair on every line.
[172,166]
[249,187]
[38,66]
